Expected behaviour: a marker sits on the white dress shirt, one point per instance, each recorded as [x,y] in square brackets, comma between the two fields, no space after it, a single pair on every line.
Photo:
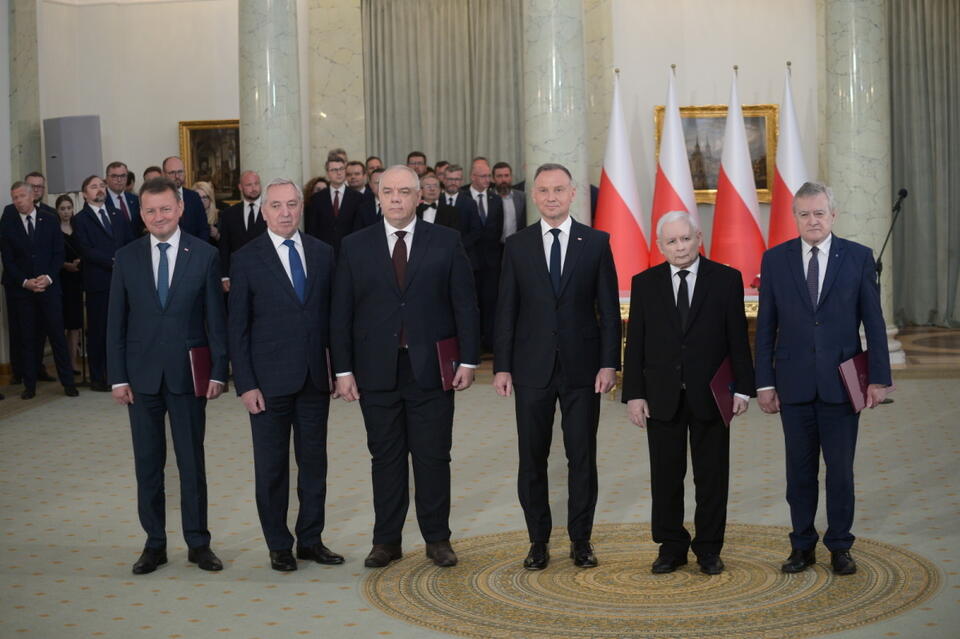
[548,240]
[451,200]
[97,208]
[475,194]
[283,252]
[823,254]
[172,250]
[116,200]
[430,212]
[509,216]
[334,190]
[246,211]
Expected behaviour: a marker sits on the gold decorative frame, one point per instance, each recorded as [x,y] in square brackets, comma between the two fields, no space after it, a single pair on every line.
[761,123]
[207,142]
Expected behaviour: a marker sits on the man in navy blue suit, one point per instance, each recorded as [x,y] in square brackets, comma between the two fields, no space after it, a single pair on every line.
[194,220]
[99,232]
[815,293]
[119,199]
[31,245]
[279,326]
[165,299]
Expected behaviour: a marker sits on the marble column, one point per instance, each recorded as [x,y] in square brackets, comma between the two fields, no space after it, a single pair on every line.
[555,93]
[25,152]
[598,27]
[857,128]
[270,140]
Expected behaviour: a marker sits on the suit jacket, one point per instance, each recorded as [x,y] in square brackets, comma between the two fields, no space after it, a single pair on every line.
[194,220]
[482,240]
[369,307]
[534,326]
[133,206]
[97,247]
[519,199]
[320,222]
[23,259]
[234,234]
[661,356]
[147,343]
[447,215]
[276,340]
[799,347]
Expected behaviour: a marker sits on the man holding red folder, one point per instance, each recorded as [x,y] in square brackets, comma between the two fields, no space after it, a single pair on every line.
[815,293]
[401,286]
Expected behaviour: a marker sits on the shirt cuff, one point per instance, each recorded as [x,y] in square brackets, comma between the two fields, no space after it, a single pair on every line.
[116,386]
[224,279]
[344,374]
[49,279]
[465,365]
[742,396]
[219,382]
[767,388]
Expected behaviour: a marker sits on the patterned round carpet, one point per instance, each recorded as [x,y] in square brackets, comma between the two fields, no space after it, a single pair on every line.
[489,594]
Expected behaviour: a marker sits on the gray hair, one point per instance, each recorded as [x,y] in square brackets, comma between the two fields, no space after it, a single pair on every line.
[285,182]
[401,167]
[673,216]
[812,189]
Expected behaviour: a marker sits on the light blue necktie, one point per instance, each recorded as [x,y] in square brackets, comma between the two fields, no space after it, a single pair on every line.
[163,275]
[296,271]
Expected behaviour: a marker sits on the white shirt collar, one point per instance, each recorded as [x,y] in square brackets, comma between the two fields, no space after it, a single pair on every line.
[475,193]
[174,241]
[23,216]
[823,247]
[256,203]
[278,240]
[115,196]
[693,268]
[564,226]
[408,228]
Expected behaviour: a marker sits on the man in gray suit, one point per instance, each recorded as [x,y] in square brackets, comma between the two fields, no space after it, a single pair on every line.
[514,201]
[165,298]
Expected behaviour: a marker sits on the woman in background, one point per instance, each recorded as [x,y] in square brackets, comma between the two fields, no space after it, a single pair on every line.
[315,185]
[71,283]
[205,190]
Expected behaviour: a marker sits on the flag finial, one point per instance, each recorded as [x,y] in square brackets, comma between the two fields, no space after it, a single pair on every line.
[789,70]
[616,71]
[736,68]
[673,66]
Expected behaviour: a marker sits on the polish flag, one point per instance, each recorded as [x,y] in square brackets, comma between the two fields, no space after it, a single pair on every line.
[791,171]
[674,187]
[737,239]
[618,203]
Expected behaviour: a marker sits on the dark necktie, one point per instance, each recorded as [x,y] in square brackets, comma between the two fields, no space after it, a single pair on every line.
[297,274]
[30,227]
[555,261]
[106,223]
[450,200]
[400,267]
[163,275]
[483,211]
[813,276]
[336,203]
[123,207]
[683,298]
[251,218]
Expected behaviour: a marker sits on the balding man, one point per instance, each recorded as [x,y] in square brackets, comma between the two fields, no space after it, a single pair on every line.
[194,220]
[241,222]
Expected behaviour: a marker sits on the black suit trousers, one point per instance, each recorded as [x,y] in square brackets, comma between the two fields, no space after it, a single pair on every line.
[580,415]
[37,317]
[710,454]
[487,281]
[187,427]
[306,411]
[403,422]
[97,303]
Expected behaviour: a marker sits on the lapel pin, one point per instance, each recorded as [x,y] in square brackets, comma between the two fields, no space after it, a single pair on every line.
[579,238]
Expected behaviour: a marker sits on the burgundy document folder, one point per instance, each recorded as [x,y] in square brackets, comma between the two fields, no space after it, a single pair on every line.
[855,375]
[722,388]
[448,354]
[200,365]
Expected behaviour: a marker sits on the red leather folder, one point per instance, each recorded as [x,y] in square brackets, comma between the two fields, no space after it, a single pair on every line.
[200,366]
[721,386]
[330,383]
[855,375]
[448,354]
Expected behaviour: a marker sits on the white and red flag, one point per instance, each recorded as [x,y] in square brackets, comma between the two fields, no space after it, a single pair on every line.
[618,203]
[791,171]
[737,239]
[673,190]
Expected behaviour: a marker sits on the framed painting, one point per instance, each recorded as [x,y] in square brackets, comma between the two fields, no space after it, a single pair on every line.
[703,132]
[210,150]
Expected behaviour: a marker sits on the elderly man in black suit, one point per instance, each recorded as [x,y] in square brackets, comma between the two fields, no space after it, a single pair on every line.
[433,209]
[401,286]
[279,325]
[686,317]
[240,223]
[166,299]
[558,339]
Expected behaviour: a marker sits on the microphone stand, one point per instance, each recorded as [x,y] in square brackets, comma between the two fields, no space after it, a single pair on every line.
[901,195]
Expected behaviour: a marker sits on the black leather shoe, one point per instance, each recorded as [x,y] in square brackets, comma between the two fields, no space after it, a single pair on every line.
[70,391]
[204,558]
[382,554]
[44,376]
[320,554]
[538,557]
[100,387]
[665,564]
[149,560]
[28,394]
[282,560]
[799,560]
[842,563]
[710,564]
[582,554]
[442,554]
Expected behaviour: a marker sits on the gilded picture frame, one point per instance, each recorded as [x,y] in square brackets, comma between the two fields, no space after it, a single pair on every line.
[210,150]
[703,132]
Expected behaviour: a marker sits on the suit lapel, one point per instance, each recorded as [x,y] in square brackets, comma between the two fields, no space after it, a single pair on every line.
[665,286]
[795,266]
[834,261]
[575,248]
[419,246]
[269,256]
[184,254]
[145,266]
[700,289]
[313,268]
[382,246]
[538,257]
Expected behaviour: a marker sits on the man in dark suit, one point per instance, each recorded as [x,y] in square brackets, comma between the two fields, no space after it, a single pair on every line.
[514,201]
[357,178]
[331,213]
[99,232]
[121,201]
[558,338]
[482,242]
[417,160]
[194,220]
[38,184]
[279,325]
[166,299]
[389,312]
[369,212]
[240,223]
[815,292]
[686,317]
[432,209]
[32,251]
